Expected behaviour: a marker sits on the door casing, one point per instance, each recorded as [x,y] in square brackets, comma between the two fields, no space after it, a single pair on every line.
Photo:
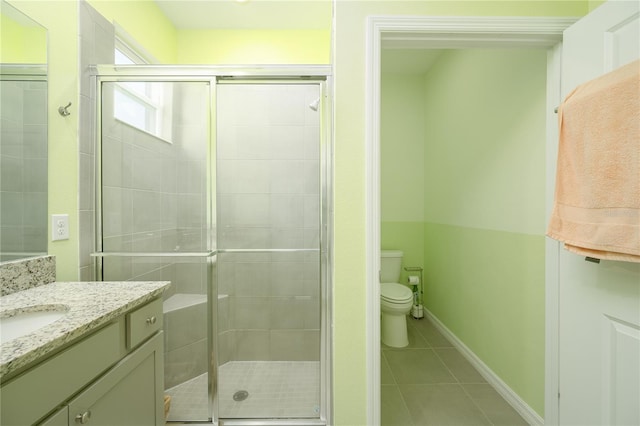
[463,33]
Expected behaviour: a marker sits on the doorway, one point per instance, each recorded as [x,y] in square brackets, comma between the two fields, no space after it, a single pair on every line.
[438,33]
[217,180]
[468,157]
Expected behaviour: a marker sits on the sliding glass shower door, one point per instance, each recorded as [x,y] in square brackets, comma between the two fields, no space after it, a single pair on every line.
[220,185]
[155,199]
[268,231]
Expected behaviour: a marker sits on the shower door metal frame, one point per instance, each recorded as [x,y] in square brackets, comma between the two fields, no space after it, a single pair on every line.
[134,73]
[214,75]
[309,76]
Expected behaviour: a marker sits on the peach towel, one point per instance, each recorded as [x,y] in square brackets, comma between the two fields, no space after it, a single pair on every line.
[596,211]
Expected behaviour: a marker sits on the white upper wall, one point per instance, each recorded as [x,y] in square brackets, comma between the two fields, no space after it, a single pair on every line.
[485,140]
[402,147]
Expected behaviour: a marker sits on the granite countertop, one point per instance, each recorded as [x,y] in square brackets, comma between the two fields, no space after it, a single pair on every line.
[90,305]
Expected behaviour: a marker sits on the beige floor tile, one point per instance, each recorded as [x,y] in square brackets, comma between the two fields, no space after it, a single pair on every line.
[414,366]
[429,332]
[459,366]
[493,405]
[441,405]
[386,377]
[393,410]
[416,340]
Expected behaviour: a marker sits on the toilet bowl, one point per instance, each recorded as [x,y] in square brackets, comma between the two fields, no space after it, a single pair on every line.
[395,301]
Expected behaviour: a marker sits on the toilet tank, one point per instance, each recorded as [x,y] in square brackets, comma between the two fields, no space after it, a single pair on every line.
[390,266]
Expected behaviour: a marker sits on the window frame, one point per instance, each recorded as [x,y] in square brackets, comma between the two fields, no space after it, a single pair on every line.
[154,100]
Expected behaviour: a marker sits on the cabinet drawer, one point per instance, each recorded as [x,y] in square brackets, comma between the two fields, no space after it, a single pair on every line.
[143,322]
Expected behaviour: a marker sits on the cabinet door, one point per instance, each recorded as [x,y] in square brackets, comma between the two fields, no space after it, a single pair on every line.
[31,395]
[128,394]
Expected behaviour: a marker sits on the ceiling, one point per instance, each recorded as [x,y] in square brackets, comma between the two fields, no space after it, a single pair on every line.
[409,61]
[250,14]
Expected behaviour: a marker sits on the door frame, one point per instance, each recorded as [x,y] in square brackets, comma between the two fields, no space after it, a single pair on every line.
[393,31]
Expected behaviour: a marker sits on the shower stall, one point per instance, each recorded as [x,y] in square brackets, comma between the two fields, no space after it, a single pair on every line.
[218,180]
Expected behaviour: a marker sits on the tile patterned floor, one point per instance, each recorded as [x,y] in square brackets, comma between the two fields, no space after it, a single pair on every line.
[426,383]
[189,400]
[430,383]
[276,389]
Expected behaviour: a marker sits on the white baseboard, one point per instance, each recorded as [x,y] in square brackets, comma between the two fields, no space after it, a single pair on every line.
[527,413]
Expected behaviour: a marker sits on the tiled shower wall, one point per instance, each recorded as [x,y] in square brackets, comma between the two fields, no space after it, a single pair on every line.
[153,198]
[154,201]
[268,158]
[23,169]
[97,46]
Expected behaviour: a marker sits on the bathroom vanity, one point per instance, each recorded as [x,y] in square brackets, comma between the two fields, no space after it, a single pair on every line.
[100,362]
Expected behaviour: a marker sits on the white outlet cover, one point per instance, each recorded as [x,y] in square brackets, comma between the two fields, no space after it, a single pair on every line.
[59,227]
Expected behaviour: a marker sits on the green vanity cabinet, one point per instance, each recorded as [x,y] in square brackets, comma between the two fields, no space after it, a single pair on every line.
[105,378]
[127,394]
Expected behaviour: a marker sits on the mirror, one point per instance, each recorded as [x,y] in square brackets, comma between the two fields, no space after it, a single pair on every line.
[23,136]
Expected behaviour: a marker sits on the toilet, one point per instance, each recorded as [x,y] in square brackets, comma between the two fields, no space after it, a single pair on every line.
[395,300]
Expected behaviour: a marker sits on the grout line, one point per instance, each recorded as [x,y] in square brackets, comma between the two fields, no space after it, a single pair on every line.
[476,404]
[406,407]
[420,332]
[447,367]
[395,381]
[434,350]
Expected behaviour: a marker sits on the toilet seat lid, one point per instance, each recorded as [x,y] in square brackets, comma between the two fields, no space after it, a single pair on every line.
[395,291]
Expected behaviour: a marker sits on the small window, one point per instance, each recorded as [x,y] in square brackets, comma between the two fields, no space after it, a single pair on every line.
[143,105]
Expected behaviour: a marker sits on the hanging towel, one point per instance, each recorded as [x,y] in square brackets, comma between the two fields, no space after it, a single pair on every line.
[596,210]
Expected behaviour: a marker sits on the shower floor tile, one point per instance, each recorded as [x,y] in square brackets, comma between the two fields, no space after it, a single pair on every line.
[189,400]
[276,389]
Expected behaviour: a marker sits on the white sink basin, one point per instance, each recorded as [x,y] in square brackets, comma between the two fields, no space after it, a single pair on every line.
[17,323]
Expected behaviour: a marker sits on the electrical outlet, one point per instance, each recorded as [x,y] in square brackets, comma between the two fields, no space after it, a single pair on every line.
[59,227]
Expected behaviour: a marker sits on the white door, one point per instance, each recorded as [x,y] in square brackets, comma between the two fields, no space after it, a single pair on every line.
[599,304]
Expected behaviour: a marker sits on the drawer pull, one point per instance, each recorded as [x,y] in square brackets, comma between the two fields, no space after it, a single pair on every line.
[151,320]
[83,418]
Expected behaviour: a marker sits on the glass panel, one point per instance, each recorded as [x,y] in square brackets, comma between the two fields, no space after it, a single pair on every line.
[154,200]
[268,197]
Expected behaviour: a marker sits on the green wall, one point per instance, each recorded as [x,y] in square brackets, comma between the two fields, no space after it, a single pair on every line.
[487,287]
[21,43]
[144,22]
[229,46]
